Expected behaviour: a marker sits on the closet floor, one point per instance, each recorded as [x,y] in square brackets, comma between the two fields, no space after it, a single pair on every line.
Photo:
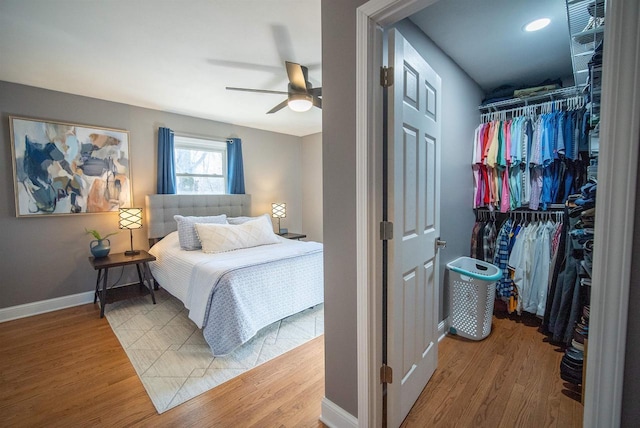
[510,379]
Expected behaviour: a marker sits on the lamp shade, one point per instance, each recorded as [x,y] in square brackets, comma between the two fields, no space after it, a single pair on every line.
[278,210]
[130,218]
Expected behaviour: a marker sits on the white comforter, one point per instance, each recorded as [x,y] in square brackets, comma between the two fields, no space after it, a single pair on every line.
[191,276]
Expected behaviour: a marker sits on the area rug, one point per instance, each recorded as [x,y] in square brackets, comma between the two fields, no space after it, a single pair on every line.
[173,360]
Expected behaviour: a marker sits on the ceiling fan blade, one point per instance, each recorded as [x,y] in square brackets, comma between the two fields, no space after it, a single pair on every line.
[316,92]
[262,91]
[296,76]
[317,102]
[278,107]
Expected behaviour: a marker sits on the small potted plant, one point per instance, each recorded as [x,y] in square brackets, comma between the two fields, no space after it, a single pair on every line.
[100,246]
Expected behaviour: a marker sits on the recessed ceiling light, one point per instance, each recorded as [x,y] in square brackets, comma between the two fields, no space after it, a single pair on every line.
[536,25]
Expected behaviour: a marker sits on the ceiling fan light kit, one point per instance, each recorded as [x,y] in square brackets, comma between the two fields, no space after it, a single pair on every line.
[301,95]
[300,102]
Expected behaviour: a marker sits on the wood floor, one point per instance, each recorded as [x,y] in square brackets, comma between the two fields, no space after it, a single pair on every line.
[511,379]
[67,369]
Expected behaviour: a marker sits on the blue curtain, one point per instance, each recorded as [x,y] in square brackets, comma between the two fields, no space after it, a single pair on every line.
[235,169]
[166,162]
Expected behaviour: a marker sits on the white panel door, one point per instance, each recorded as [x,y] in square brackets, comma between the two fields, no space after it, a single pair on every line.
[413,204]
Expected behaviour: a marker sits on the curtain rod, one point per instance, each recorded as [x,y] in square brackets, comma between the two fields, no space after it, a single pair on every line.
[202,137]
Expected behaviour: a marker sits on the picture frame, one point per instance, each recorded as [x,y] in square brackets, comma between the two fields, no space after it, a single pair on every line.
[64,168]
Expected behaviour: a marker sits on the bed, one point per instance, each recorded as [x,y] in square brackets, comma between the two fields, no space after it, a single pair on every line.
[231,295]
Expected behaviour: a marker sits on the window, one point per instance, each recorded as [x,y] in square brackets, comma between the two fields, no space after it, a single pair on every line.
[201,166]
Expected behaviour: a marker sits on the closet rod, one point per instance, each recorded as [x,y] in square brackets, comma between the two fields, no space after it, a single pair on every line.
[552,207]
[525,101]
[571,103]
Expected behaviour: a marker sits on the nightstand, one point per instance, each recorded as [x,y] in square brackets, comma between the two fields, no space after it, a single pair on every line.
[103,264]
[297,236]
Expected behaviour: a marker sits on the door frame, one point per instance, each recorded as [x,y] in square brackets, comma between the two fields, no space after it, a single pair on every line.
[612,257]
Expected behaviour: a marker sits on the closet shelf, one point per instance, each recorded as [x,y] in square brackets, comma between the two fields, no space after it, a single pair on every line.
[588,33]
[557,94]
[586,29]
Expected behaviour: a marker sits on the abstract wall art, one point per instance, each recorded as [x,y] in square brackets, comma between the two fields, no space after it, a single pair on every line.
[64,168]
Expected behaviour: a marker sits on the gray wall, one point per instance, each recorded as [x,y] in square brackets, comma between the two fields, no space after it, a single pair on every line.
[461,97]
[312,186]
[339,205]
[44,258]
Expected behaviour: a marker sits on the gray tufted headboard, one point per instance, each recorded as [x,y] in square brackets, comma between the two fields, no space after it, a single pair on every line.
[160,209]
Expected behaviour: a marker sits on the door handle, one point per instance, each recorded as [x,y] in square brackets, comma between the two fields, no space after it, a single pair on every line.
[440,243]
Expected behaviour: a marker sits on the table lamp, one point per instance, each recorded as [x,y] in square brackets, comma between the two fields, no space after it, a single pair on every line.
[131,218]
[279,211]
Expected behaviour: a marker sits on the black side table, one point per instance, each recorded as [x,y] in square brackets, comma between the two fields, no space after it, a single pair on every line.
[297,236]
[103,264]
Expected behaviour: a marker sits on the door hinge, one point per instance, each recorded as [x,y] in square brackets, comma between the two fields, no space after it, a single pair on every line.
[386,230]
[386,76]
[386,374]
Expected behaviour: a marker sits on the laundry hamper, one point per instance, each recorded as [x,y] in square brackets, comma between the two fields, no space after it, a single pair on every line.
[471,294]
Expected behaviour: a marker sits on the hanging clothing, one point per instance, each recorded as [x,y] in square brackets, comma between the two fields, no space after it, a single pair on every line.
[489,242]
[523,253]
[501,259]
[529,161]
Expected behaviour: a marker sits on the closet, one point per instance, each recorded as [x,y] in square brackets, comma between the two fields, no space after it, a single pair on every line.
[534,166]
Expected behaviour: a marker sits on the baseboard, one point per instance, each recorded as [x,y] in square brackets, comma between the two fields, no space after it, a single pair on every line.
[50,305]
[335,416]
[442,328]
[43,306]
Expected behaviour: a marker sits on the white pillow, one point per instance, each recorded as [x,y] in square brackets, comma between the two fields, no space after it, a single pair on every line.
[241,220]
[218,238]
[187,232]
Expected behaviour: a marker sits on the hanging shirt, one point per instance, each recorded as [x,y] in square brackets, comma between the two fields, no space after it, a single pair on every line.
[536,187]
[560,145]
[493,145]
[515,192]
[547,145]
[474,239]
[568,134]
[584,131]
[489,242]
[475,167]
[507,142]
[501,260]
[518,263]
[540,272]
[526,155]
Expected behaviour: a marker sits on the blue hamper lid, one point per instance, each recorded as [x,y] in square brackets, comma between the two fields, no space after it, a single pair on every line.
[474,268]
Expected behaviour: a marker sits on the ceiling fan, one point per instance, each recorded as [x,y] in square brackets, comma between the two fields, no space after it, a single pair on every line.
[301,95]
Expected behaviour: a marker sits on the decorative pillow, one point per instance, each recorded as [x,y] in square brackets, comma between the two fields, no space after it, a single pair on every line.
[187,232]
[218,238]
[241,220]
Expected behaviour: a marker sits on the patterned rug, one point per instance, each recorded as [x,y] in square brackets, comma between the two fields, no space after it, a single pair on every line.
[172,358]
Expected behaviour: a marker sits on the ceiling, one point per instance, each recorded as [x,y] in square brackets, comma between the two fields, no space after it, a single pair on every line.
[173,56]
[486,39]
[179,56]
